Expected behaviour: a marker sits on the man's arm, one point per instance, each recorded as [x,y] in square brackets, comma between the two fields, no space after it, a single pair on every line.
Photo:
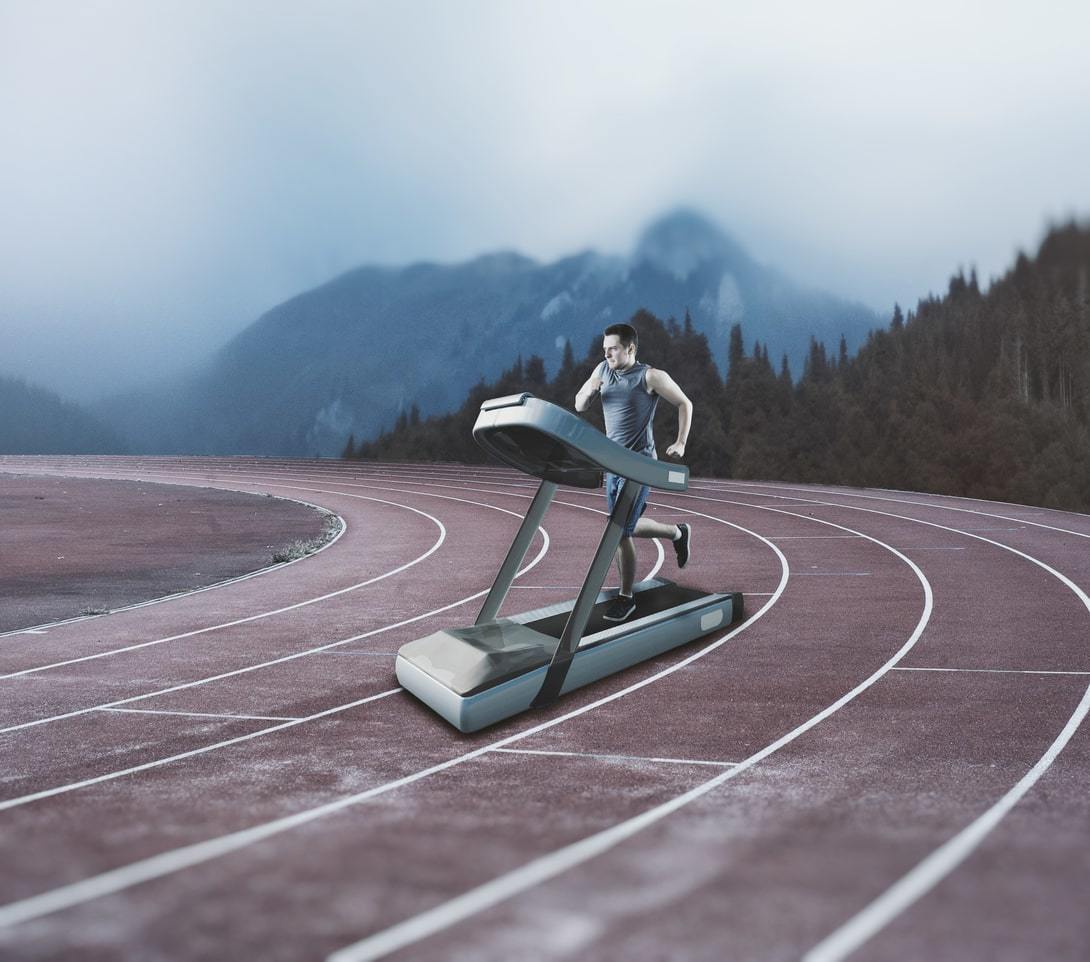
[586,393]
[662,384]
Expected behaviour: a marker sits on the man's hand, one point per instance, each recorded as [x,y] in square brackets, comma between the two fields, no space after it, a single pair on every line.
[586,393]
[676,450]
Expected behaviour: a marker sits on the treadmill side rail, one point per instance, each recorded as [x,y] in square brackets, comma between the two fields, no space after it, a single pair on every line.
[470,713]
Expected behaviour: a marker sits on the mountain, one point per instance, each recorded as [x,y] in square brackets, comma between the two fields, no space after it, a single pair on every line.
[983,395]
[349,356]
[36,421]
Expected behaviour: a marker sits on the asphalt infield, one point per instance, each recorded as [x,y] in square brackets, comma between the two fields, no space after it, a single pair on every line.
[886,760]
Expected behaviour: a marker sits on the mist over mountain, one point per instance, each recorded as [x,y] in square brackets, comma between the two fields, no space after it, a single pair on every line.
[348,357]
[34,420]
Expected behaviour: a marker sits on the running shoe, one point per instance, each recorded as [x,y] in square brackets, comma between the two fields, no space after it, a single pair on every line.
[619,609]
[681,546]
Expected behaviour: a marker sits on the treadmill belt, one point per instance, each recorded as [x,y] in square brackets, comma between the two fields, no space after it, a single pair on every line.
[648,602]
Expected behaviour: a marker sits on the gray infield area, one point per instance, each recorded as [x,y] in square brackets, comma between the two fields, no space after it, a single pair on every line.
[82,546]
[887,759]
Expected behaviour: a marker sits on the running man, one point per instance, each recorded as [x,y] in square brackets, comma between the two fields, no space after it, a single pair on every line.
[630,393]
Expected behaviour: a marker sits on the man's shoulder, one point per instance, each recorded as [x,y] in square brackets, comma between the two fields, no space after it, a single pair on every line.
[653,374]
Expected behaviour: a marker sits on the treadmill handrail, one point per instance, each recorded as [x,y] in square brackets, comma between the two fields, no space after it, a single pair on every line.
[526,412]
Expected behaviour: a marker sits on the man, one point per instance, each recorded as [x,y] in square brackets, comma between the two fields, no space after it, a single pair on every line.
[630,393]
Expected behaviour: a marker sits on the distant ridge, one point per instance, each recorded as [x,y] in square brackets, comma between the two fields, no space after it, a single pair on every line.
[350,356]
[36,421]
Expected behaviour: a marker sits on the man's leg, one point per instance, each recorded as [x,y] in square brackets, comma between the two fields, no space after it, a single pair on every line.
[679,534]
[626,565]
[646,528]
[622,606]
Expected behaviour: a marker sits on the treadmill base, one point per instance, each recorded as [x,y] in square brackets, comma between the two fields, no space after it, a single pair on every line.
[591,662]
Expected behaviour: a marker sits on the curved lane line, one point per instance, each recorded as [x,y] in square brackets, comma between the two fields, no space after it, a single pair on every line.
[266,614]
[166,863]
[289,723]
[940,863]
[250,618]
[561,860]
[936,866]
[911,503]
[110,776]
[191,591]
[300,654]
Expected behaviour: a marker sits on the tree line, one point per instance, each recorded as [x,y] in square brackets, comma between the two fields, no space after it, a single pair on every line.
[978,394]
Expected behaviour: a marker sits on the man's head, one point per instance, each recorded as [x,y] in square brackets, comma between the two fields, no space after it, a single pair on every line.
[619,343]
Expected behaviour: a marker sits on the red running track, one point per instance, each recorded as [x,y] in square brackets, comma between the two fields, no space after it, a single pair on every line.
[886,760]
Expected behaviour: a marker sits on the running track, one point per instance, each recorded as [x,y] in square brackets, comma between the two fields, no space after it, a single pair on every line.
[887,760]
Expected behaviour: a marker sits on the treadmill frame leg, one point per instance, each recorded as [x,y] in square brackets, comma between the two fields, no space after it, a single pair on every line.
[517,552]
[588,594]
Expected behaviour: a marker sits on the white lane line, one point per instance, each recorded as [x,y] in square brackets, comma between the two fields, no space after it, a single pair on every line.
[167,863]
[197,714]
[841,943]
[229,674]
[999,671]
[885,499]
[935,867]
[176,478]
[60,789]
[833,574]
[940,863]
[614,757]
[40,629]
[250,618]
[561,860]
[173,478]
[817,537]
[944,548]
[362,654]
[110,776]
[250,479]
[309,651]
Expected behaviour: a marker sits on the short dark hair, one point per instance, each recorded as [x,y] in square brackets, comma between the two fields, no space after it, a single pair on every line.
[626,332]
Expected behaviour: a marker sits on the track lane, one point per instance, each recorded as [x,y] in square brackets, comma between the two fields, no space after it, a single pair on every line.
[920,549]
[259,636]
[214,847]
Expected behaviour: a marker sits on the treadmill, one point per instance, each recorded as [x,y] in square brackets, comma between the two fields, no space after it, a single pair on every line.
[498,667]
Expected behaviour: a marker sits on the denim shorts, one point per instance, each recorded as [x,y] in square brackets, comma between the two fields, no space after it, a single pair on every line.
[614,483]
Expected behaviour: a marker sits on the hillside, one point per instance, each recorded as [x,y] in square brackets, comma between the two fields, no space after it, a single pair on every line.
[976,394]
[36,421]
[352,355]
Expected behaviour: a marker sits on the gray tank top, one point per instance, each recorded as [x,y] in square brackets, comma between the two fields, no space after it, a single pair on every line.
[629,407]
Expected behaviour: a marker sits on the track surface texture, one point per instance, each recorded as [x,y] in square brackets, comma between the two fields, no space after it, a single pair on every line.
[73,546]
[887,760]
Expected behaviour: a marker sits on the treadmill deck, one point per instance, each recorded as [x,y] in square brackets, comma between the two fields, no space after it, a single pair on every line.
[478,675]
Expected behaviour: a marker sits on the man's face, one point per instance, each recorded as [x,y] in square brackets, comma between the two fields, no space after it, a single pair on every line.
[617,355]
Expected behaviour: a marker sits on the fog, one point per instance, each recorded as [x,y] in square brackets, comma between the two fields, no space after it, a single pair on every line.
[169,171]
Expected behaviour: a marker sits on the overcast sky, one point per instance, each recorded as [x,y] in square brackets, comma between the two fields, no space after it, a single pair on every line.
[170,170]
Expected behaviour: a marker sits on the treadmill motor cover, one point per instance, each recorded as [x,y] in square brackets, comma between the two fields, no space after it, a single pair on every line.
[468,660]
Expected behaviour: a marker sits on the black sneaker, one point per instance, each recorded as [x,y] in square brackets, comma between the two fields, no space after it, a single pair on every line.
[619,609]
[681,546]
